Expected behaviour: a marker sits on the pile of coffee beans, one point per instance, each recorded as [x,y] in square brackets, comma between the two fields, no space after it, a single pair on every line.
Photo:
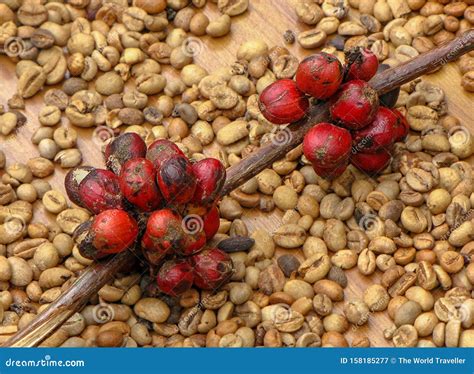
[316,261]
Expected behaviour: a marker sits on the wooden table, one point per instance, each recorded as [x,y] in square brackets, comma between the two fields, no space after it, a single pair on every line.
[266,20]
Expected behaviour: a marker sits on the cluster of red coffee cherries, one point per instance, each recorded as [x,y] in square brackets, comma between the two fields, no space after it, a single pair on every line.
[154,199]
[362,131]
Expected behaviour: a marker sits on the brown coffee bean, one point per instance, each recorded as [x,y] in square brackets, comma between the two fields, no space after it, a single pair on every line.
[54,201]
[271,279]
[405,336]
[407,313]
[330,288]
[233,7]
[32,14]
[236,244]
[54,64]
[288,264]
[453,333]
[285,66]
[432,24]
[466,339]
[334,235]
[419,180]
[109,83]
[31,81]
[21,272]
[426,275]
[289,236]
[451,261]
[421,117]
[376,298]
[109,338]
[357,240]
[366,262]
[308,12]
[322,304]
[315,267]
[42,39]
[312,38]
[298,288]
[219,27]
[467,81]
[413,219]
[446,310]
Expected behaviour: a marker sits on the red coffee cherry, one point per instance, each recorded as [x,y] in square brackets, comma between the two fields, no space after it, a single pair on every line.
[327,146]
[211,222]
[100,190]
[371,163]
[161,150]
[402,127]
[331,172]
[138,184]
[361,64]
[380,134]
[123,148]
[175,277]
[112,231]
[72,181]
[212,268]
[319,75]
[355,105]
[282,102]
[210,177]
[192,243]
[176,180]
[163,233]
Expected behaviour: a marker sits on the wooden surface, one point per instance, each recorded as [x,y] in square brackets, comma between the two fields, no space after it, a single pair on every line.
[266,20]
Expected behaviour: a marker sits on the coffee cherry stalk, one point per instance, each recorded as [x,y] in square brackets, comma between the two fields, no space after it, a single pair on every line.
[363,127]
[156,201]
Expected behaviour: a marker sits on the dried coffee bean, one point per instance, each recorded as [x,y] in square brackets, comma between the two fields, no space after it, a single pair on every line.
[376,298]
[336,274]
[405,336]
[236,244]
[31,81]
[357,312]
[56,98]
[315,268]
[271,279]
[312,38]
[288,264]
[54,201]
[42,39]
[290,236]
